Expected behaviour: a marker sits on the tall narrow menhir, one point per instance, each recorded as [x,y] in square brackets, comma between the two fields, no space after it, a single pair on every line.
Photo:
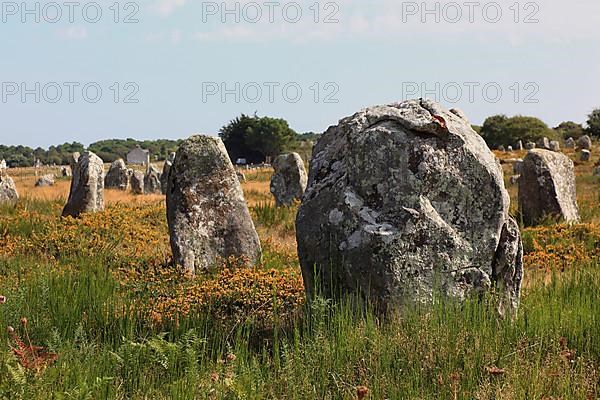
[87,185]
[206,211]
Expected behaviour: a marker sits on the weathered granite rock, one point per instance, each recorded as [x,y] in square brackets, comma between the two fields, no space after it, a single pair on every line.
[241,176]
[289,181]
[45,181]
[547,188]
[586,156]
[518,167]
[403,201]
[585,142]
[501,148]
[164,177]
[66,172]
[137,182]
[3,164]
[206,211]
[117,176]
[570,143]
[87,186]
[152,181]
[460,114]
[509,149]
[529,145]
[543,143]
[8,189]
[73,160]
[554,145]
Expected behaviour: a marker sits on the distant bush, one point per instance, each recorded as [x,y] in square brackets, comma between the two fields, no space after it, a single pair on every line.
[570,129]
[502,130]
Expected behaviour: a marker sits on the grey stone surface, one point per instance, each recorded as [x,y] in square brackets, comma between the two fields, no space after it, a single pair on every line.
[289,181]
[137,182]
[570,143]
[405,200]
[518,167]
[509,149]
[66,172]
[519,146]
[554,145]
[529,145]
[241,176]
[87,186]
[117,176]
[585,156]
[547,188]
[585,142]
[152,183]
[206,211]
[45,181]
[543,143]
[164,177]
[8,189]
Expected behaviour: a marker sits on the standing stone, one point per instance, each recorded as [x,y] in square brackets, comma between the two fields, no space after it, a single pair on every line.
[530,145]
[518,167]
[501,148]
[289,181]
[585,142]
[405,201]
[241,176]
[87,186]
[509,149]
[3,164]
[570,143]
[164,177]
[74,160]
[519,145]
[152,181]
[586,156]
[137,182]
[543,143]
[207,215]
[547,188]
[117,176]
[45,181]
[554,145]
[8,189]
[66,172]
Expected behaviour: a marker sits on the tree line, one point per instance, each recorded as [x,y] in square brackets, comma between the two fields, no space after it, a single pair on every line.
[257,139]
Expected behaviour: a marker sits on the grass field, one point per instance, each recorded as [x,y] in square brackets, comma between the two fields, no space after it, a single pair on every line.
[96,311]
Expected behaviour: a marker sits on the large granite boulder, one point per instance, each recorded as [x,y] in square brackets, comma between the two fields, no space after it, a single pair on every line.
[206,211]
[45,181]
[547,188]
[117,176]
[137,182]
[554,145]
[289,181]
[87,186]
[585,142]
[529,145]
[8,189]
[406,201]
[152,183]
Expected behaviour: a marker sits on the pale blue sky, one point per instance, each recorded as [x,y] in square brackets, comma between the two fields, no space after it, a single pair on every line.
[375,53]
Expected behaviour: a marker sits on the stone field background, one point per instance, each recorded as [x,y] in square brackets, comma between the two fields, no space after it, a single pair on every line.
[113,319]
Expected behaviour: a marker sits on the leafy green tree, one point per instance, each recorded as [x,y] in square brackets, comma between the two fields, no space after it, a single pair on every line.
[569,129]
[501,130]
[593,123]
[256,138]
